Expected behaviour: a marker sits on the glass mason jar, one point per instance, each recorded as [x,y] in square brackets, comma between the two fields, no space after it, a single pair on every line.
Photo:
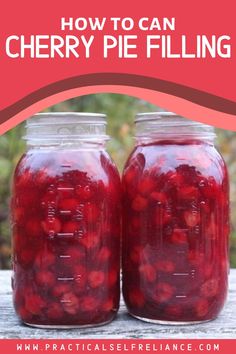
[176,222]
[66,223]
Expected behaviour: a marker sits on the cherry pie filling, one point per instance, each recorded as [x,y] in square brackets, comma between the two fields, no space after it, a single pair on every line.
[66,238]
[175,232]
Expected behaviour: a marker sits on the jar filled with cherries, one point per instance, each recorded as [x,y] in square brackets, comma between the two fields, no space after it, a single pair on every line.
[175,222]
[66,224]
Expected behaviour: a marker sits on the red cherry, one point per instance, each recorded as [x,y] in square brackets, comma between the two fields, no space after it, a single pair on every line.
[104,254]
[27,200]
[26,257]
[33,228]
[195,258]
[90,240]
[148,272]
[84,192]
[89,303]
[51,225]
[60,289]
[179,236]
[45,259]
[207,268]
[210,288]
[45,278]
[175,179]
[41,177]
[188,193]
[130,174]
[70,303]
[54,312]
[202,308]
[165,266]
[96,278]
[174,311]
[146,186]
[69,204]
[191,218]
[136,298]
[139,203]
[70,227]
[134,168]
[164,292]
[34,303]
[24,180]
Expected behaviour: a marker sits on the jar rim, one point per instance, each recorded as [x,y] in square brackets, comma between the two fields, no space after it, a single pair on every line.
[51,118]
[172,125]
[155,116]
[65,128]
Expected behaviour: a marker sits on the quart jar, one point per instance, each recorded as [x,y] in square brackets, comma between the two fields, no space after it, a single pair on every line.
[66,224]
[176,222]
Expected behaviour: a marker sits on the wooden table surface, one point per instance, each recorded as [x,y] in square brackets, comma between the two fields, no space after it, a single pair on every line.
[124,326]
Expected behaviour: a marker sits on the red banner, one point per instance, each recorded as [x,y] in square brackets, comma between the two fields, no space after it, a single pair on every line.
[180,55]
[128,346]
[182,49]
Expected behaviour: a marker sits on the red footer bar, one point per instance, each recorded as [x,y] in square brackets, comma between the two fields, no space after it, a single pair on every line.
[128,346]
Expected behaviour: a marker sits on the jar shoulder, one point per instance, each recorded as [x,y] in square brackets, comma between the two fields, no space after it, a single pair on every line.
[204,159]
[82,164]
